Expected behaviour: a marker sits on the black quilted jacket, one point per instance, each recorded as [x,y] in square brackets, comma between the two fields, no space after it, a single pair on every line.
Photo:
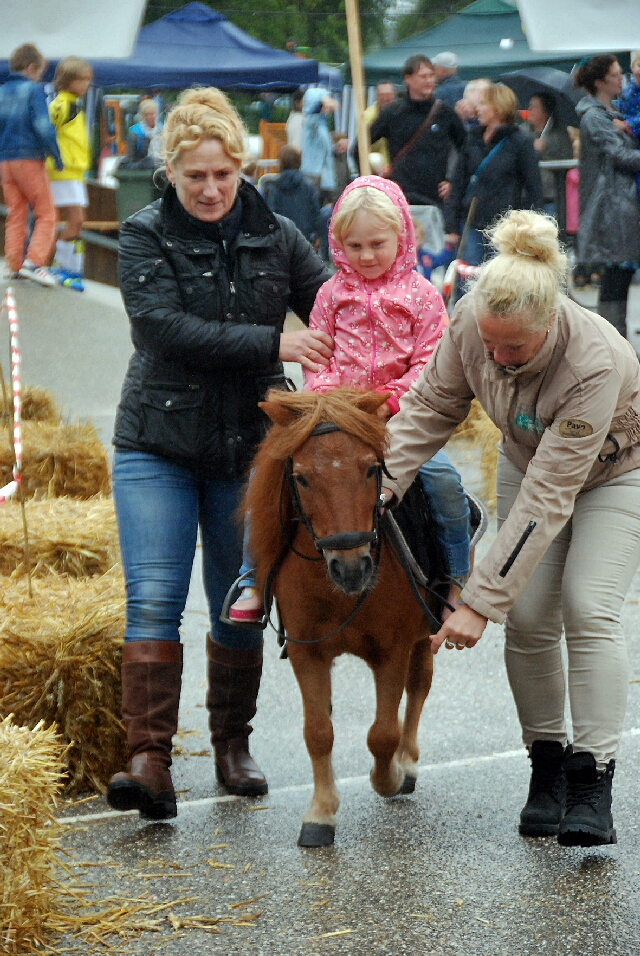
[510,180]
[206,318]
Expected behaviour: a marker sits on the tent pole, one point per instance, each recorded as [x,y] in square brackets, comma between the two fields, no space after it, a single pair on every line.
[357,79]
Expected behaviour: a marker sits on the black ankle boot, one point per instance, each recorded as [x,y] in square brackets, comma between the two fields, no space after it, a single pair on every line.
[587,820]
[545,804]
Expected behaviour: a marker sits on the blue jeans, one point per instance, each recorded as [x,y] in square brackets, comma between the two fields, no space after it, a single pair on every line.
[449,510]
[159,505]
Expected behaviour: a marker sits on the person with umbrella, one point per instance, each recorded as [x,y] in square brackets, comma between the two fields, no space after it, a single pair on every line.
[550,141]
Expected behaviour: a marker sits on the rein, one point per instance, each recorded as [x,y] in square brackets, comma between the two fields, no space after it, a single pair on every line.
[336,542]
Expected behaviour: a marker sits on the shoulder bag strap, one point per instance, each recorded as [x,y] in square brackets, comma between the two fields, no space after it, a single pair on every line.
[418,133]
[482,166]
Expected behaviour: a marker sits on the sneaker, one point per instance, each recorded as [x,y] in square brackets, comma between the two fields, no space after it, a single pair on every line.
[72,282]
[545,804]
[9,276]
[248,608]
[587,820]
[39,274]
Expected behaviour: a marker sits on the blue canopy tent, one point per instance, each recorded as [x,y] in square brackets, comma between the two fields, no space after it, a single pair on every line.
[197,45]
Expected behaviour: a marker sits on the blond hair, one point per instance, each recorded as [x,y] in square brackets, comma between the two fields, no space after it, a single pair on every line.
[501,99]
[147,104]
[528,272]
[69,69]
[365,199]
[203,113]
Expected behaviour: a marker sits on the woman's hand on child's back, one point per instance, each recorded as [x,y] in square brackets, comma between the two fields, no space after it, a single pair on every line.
[310,347]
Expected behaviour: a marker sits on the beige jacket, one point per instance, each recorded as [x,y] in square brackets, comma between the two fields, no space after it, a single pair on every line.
[555,414]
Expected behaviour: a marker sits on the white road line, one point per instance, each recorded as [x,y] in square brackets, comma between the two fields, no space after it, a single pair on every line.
[184,805]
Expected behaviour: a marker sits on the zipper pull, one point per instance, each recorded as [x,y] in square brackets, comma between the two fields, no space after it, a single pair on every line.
[233,288]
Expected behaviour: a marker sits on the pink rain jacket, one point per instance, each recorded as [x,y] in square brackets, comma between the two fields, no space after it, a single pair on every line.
[385,329]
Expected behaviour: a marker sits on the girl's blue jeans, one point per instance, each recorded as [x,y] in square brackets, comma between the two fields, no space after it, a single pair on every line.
[449,510]
[159,505]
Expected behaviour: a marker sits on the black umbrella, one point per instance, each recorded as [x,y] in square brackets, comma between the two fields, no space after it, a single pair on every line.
[546,79]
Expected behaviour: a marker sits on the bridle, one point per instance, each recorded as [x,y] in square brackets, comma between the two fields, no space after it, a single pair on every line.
[345,541]
[340,542]
[333,542]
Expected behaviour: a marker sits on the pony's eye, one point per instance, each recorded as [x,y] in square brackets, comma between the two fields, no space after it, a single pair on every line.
[302,481]
[372,470]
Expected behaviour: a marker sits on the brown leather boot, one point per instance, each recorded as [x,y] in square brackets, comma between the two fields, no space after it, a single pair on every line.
[234,682]
[151,681]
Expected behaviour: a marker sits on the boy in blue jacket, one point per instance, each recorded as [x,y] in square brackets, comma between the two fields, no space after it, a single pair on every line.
[27,137]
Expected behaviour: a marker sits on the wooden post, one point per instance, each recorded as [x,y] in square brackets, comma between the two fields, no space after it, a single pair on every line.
[357,80]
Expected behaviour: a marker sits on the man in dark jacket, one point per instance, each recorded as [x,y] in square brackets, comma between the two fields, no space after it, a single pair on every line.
[290,194]
[421,170]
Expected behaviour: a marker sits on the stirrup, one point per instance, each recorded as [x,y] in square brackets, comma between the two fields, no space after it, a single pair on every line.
[232,596]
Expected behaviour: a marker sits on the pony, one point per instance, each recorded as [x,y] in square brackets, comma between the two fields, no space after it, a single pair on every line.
[314,501]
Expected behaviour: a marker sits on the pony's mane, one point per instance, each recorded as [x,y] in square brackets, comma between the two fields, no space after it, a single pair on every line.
[348,408]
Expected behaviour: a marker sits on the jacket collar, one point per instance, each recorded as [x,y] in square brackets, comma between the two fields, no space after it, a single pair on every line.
[256,220]
[501,132]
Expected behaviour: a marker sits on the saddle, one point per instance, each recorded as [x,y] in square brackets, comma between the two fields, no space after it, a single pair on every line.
[413,535]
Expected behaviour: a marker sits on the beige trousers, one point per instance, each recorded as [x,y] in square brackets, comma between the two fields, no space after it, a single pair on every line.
[580,583]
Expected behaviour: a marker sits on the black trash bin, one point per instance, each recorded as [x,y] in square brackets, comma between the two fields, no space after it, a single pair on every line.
[136,189]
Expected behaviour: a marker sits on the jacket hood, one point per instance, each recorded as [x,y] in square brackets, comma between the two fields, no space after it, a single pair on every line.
[289,180]
[405,259]
[312,99]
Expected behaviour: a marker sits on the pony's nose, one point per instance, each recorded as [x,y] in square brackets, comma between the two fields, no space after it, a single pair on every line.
[352,575]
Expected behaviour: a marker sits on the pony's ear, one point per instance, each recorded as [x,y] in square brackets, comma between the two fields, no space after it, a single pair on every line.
[278,413]
[371,401]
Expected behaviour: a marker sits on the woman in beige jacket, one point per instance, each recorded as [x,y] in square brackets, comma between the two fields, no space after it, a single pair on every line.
[563,386]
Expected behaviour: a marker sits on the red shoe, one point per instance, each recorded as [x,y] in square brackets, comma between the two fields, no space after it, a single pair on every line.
[248,608]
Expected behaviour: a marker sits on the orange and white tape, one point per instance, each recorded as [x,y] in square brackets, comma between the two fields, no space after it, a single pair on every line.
[460,268]
[9,304]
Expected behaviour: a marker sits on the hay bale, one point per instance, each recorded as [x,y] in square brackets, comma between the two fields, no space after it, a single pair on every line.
[38,405]
[60,657]
[66,535]
[480,433]
[30,779]
[58,460]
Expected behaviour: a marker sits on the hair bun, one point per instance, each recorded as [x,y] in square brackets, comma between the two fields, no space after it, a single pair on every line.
[524,233]
[207,96]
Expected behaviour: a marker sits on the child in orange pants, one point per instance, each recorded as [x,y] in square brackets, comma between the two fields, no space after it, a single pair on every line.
[26,138]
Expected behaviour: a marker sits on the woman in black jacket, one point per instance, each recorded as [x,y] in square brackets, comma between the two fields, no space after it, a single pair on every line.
[207,274]
[497,166]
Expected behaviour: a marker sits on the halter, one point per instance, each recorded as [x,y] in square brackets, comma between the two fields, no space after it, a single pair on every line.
[334,542]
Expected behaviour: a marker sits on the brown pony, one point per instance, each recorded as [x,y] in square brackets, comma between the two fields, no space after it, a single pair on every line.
[335,477]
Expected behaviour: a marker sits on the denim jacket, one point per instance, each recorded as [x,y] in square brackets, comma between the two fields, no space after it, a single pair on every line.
[26,131]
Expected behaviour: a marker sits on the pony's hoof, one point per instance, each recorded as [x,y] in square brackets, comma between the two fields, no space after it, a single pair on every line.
[316,834]
[408,784]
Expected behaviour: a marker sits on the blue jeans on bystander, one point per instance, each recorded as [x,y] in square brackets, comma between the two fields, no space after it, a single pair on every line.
[160,503]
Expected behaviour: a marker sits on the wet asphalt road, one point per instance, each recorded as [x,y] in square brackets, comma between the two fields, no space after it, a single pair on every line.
[442,871]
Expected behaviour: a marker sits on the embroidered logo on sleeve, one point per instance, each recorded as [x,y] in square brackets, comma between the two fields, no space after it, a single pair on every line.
[574,428]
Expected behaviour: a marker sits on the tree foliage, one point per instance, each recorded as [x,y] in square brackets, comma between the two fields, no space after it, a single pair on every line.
[424,16]
[318,26]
